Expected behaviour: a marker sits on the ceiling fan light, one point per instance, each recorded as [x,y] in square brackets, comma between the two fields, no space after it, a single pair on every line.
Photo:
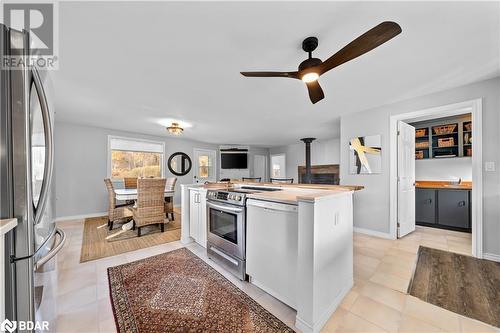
[175,129]
[310,77]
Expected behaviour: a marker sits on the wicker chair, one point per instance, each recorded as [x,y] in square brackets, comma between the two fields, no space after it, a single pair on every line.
[282,180]
[150,205]
[115,212]
[169,202]
[252,179]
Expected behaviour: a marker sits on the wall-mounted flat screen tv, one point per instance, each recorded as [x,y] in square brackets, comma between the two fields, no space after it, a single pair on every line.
[234,160]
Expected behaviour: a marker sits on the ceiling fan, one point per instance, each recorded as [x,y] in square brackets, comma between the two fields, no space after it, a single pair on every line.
[312,68]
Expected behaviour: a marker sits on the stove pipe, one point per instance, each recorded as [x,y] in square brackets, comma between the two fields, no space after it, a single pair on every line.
[307,176]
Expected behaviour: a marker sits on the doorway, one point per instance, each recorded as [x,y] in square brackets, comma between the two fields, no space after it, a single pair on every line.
[204,165]
[399,201]
[260,167]
[278,166]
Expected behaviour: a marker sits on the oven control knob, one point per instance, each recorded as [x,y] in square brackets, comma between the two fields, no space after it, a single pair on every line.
[230,196]
[237,198]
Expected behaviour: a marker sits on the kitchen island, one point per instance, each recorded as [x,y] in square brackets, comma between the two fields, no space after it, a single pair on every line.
[298,245]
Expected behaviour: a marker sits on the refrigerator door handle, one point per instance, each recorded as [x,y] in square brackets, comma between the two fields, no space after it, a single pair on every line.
[53,251]
[49,146]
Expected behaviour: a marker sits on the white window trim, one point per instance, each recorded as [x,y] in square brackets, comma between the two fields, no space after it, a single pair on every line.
[111,137]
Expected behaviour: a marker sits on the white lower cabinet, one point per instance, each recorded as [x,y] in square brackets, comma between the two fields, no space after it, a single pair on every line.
[271,253]
[198,216]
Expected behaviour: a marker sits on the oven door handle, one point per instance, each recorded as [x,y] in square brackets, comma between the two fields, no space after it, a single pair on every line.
[225,207]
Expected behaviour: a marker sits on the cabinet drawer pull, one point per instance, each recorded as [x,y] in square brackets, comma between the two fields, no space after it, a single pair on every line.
[461,203]
[429,201]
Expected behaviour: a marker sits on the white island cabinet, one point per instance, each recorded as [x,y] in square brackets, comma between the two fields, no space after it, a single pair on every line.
[272,234]
[299,249]
[198,215]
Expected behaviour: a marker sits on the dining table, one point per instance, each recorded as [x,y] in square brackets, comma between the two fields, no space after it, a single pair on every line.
[131,193]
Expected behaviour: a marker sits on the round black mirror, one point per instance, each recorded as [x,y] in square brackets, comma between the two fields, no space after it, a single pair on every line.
[179,164]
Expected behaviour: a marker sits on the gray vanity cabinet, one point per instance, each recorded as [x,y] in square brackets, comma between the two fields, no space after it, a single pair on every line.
[453,208]
[443,208]
[425,205]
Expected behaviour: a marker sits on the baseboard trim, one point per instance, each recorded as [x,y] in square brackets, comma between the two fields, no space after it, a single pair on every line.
[79,217]
[373,233]
[305,327]
[491,256]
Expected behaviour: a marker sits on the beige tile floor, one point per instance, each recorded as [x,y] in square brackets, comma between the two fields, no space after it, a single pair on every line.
[377,303]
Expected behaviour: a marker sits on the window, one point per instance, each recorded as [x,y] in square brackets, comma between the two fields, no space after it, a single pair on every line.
[276,170]
[135,158]
[203,162]
[278,166]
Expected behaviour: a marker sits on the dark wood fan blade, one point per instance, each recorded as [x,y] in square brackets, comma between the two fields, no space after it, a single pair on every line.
[315,92]
[364,43]
[292,75]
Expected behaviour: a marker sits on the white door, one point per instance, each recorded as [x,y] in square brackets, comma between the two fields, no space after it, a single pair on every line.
[278,166]
[204,165]
[259,166]
[406,179]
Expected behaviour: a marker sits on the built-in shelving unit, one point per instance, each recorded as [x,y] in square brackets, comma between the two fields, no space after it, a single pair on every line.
[443,138]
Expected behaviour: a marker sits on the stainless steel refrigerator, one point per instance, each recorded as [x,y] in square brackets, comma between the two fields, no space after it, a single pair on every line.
[27,186]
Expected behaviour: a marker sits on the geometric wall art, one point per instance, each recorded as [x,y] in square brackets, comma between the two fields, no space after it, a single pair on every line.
[365,155]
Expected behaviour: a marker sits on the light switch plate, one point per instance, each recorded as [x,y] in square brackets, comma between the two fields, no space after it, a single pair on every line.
[489,166]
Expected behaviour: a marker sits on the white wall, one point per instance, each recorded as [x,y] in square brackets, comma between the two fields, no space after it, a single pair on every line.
[240,173]
[81,166]
[448,169]
[322,152]
[372,204]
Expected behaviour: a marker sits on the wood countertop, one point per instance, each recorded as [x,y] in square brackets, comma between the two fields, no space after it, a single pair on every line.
[290,194]
[7,225]
[443,185]
[220,186]
[293,196]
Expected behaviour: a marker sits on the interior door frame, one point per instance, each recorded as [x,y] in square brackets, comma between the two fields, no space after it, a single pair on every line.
[195,162]
[471,106]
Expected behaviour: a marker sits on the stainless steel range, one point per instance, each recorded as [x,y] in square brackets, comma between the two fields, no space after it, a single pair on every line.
[226,227]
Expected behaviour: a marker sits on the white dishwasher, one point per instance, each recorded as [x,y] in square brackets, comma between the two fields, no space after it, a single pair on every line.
[271,250]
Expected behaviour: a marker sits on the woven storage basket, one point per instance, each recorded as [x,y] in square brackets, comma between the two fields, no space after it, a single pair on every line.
[446,142]
[420,132]
[468,127]
[419,155]
[423,144]
[445,129]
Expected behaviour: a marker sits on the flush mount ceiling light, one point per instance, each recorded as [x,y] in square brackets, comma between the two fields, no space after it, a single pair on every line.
[175,129]
[312,68]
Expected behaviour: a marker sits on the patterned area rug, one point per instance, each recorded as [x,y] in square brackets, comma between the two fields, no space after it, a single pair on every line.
[179,292]
[96,246]
[459,283]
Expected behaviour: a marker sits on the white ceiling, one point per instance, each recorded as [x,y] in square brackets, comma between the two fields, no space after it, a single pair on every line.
[127,65]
